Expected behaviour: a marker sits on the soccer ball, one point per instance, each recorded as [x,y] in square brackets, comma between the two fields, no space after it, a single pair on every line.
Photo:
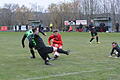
[56,54]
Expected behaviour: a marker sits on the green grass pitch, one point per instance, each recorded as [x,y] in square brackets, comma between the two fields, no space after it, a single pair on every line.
[86,61]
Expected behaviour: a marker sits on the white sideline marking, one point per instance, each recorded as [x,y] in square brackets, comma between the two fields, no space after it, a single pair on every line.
[66,74]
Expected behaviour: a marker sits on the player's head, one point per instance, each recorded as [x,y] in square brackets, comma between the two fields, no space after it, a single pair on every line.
[35,30]
[114,44]
[55,32]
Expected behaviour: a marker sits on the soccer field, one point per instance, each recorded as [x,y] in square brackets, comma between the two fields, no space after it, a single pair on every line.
[86,61]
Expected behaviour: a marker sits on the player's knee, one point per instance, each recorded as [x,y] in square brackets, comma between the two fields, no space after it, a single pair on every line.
[54,49]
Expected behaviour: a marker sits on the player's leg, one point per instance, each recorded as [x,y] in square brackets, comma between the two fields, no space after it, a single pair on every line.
[97,38]
[44,56]
[56,54]
[32,51]
[48,57]
[92,37]
[117,54]
[48,50]
[61,51]
[111,54]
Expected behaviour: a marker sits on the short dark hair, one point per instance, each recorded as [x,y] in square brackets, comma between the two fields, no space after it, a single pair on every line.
[114,43]
[55,31]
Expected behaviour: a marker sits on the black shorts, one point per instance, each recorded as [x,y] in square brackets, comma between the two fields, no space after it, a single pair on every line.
[46,50]
[93,34]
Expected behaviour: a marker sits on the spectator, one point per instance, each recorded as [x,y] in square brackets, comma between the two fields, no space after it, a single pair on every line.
[117,26]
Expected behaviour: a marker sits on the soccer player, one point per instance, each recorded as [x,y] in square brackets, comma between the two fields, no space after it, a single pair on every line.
[28,36]
[93,32]
[42,49]
[55,40]
[115,50]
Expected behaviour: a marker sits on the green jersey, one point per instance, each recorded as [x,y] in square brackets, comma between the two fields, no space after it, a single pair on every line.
[28,33]
[30,37]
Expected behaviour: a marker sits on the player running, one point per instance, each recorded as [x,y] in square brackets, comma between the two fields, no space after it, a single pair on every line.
[93,32]
[115,50]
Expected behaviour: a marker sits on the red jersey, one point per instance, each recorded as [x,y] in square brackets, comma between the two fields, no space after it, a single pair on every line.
[55,39]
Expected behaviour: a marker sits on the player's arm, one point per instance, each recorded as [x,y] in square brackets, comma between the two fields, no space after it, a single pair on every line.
[112,52]
[59,41]
[43,33]
[49,39]
[23,39]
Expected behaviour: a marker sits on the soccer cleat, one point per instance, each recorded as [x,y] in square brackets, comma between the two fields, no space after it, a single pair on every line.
[32,57]
[98,42]
[68,52]
[116,57]
[90,42]
[53,59]
[56,56]
[110,56]
[49,58]
[47,63]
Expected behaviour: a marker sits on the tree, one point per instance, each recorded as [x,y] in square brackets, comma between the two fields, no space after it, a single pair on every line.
[23,14]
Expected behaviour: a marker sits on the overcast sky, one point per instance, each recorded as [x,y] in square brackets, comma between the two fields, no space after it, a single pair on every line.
[28,3]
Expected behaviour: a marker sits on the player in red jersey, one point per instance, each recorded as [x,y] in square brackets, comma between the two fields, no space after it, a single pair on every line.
[55,40]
